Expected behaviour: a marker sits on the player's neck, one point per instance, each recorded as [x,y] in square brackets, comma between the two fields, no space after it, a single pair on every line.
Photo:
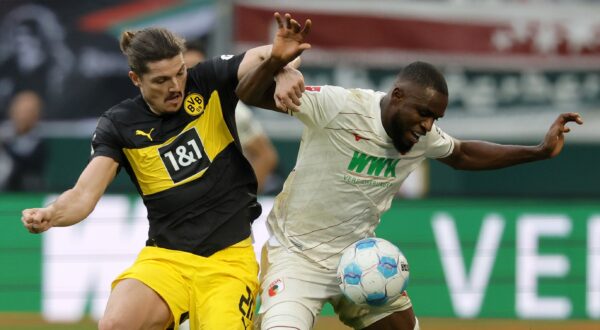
[152,109]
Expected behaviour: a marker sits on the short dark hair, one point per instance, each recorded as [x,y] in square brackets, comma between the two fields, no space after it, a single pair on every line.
[425,75]
[149,45]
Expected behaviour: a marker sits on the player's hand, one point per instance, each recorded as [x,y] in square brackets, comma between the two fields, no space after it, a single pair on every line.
[36,220]
[289,85]
[289,39]
[555,138]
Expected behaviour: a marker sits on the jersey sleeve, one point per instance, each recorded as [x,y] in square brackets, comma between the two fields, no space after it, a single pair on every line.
[439,143]
[320,104]
[105,141]
[219,72]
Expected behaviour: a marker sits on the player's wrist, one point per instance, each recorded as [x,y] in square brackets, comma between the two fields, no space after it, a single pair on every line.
[275,64]
[49,214]
[287,71]
[542,151]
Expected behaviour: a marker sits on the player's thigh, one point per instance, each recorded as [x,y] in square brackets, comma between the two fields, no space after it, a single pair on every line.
[159,270]
[224,293]
[228,304]
[293,291]
[286,315]
[403,320]
[134,305]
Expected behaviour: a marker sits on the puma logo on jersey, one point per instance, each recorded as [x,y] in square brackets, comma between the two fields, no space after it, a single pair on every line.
[142,133]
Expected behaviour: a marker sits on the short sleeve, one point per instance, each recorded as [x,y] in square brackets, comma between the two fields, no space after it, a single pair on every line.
[439,143]
[105,141]
[320,104]
[219,72]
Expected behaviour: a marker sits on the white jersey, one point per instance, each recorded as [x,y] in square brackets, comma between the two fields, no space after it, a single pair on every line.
[346,174]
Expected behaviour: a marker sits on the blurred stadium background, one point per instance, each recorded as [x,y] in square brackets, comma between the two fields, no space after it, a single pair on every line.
[516,248]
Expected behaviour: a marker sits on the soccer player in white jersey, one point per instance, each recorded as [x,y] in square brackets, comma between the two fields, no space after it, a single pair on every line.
[357,148]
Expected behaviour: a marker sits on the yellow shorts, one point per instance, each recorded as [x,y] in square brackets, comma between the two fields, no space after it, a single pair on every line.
[219,292]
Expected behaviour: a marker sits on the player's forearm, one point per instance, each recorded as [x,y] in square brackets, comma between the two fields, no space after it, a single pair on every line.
[70,208]
[481,155]
[257,86]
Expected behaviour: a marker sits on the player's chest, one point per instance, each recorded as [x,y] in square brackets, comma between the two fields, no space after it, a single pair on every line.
[362,155]
[199,118]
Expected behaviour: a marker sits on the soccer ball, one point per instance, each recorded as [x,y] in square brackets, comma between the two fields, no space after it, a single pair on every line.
[372,272]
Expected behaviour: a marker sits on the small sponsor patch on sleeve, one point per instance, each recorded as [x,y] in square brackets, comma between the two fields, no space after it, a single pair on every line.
[312,88]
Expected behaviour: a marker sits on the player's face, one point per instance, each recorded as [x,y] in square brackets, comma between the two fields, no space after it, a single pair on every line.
[163,86]
[412,110]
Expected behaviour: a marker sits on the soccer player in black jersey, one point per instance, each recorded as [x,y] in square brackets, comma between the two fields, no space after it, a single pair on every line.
[178,143]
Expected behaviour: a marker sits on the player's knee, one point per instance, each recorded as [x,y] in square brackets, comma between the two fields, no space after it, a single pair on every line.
[286,316]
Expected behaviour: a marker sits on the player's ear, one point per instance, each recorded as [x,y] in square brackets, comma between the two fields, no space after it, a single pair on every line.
[398,93]
[135,79]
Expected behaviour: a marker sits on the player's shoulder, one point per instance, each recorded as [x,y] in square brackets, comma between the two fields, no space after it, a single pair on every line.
[362,93]
[127,111]
[327,93]
[213,64]
[325,89]
[342,91]
[362,98]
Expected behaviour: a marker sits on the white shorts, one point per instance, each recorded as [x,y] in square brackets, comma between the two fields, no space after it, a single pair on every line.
[290,277]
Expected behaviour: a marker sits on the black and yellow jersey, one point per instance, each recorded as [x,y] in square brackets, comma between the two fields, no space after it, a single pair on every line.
[188,167]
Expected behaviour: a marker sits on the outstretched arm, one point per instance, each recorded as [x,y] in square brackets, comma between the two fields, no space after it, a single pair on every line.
[257,87]
[481,155]
[77,203]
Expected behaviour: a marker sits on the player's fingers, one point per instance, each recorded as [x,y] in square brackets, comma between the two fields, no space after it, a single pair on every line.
[577,118]
[307,26]
[298,90]
[295,26]
[28,216]
[288,19]
[37,216]
[279,20]
[296,100]
[27,212]
[32,228]
[571,116]
[293,108]
[278,104]
[289,103]
[303,47]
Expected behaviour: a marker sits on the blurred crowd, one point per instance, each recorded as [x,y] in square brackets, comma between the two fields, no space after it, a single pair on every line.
[52,69]
[22,149]
[60,62]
